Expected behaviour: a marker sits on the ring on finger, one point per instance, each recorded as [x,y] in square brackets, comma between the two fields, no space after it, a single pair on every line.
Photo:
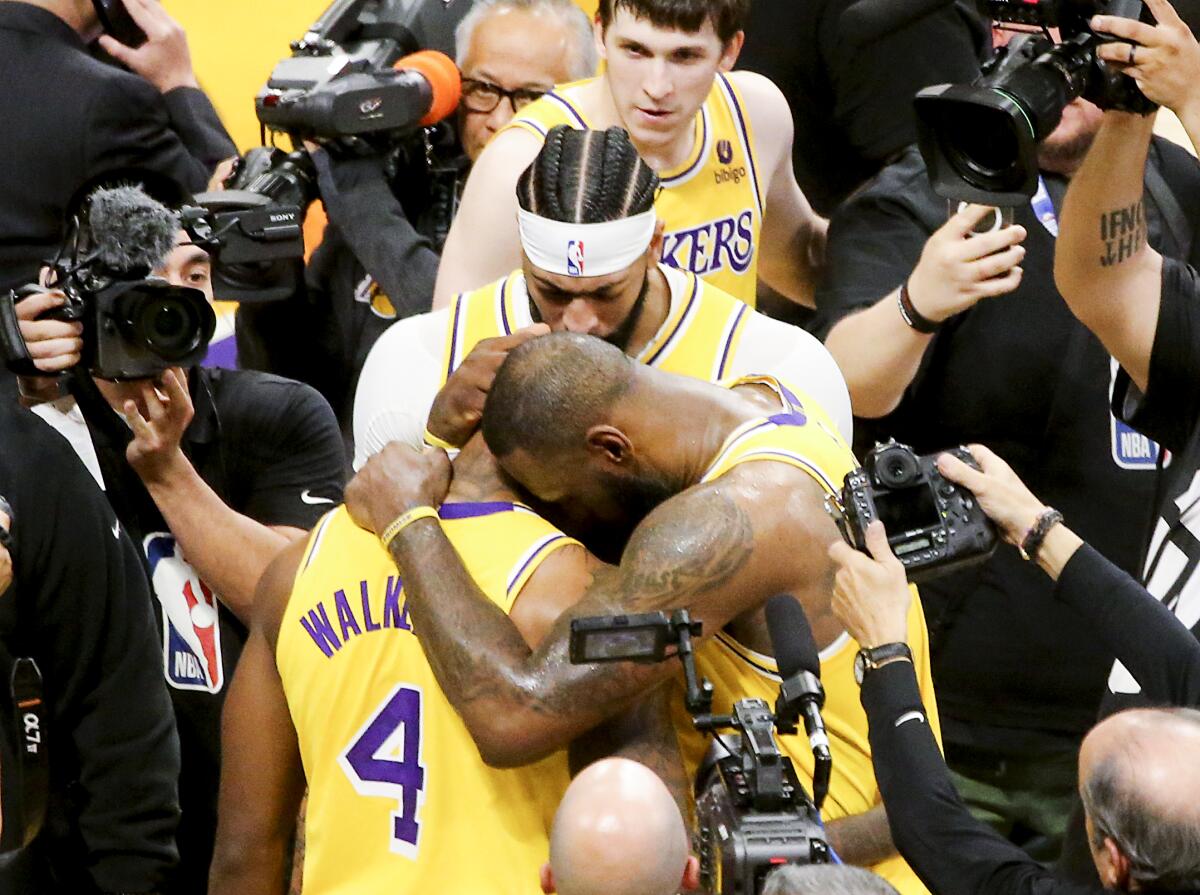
[1132,52]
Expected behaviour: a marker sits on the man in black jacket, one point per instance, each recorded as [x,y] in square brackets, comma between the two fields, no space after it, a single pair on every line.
[69,117]
[79,606]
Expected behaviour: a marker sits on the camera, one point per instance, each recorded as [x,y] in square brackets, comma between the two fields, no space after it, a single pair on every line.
[979,141]
[254,228]
[752,812]
[934,526]
[134,325]
[356,74]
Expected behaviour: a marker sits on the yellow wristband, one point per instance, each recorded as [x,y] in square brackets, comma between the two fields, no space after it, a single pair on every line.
[433,441]
[402,522]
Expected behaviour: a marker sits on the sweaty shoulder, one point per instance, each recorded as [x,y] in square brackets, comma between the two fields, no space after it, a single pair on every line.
[768,110]
[275,589]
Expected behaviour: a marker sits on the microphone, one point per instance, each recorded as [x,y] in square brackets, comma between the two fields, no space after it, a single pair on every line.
[128,230]
[868,21]
[441,74]
[801,693]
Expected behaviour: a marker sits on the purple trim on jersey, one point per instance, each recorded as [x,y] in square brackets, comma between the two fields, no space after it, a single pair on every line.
[737,108]
[796,418]
[450,365]
[566,105]
[536,553]
[529,122]
[504,307]
[789,396]
[470,509]
[729,341]
[679,327]
[700,154]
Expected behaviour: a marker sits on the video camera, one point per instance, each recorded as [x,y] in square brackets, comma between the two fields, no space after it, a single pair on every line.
[934,526]
[134,325]
[752,812]
[980,140]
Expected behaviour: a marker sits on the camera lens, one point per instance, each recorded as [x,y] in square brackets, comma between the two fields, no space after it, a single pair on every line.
[168,327]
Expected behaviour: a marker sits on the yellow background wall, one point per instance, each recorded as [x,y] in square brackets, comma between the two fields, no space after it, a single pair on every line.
[236,43]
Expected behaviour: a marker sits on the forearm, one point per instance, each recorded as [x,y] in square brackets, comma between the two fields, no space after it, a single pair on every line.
[1103,227]
[1163,657]
[1057,549]
[791,263]
[228,550]
[862,839]
[878,354]
[932,828]
[360,202]
[518,705]
[1190,118]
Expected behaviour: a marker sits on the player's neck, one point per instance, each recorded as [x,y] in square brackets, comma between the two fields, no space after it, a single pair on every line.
[602,113]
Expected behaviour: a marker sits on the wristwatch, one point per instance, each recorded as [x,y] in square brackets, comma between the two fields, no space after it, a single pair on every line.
[870,659]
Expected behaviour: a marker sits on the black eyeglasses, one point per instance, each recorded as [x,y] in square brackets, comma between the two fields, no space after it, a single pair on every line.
[484,96]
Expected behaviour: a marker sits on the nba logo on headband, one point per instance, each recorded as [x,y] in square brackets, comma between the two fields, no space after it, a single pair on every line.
[575,258]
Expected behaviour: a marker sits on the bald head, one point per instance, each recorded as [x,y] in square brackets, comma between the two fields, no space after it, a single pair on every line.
[1140,786]
[550,390]
[618,832]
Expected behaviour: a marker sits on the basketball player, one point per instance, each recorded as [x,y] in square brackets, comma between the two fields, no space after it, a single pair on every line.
[734,483]
[590,242]
[721,143]
[333,689]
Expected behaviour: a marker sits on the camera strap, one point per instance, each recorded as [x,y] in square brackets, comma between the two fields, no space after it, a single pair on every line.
[31,723]
[1175,222]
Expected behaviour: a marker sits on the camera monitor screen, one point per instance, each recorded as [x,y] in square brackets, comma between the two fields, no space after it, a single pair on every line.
[906,509]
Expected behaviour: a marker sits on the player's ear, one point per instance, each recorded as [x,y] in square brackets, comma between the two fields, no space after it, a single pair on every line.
[731,51]
[547,879]
[609,444]
[691,874]
[654,250]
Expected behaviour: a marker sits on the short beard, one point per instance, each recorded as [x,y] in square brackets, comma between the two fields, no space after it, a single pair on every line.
[1064,157]
[621,336]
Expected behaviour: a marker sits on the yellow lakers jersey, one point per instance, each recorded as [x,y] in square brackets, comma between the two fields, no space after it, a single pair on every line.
[803,437]
[712,204]
[398,798]
[699,337]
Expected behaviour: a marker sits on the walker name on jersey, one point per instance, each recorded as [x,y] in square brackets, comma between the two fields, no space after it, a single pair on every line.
[375,606]
[712,246]
[190,616]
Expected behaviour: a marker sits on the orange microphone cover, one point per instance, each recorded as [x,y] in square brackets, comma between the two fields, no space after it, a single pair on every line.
[442,74]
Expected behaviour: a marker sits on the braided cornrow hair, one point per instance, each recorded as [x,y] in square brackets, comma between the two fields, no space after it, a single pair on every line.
[587,177]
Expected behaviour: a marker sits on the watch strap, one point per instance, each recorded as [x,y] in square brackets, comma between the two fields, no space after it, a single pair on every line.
[873,657]
[1032,542]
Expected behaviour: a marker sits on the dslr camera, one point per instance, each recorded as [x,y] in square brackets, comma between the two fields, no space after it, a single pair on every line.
[979,140]
[752,812]
[933,525]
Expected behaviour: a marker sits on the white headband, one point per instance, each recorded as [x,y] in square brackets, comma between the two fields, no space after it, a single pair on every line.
[585,250]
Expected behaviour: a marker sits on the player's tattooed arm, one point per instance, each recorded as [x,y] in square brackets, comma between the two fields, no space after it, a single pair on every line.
[695,550]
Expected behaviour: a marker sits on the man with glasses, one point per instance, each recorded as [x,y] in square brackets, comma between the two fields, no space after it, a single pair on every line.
[378,262]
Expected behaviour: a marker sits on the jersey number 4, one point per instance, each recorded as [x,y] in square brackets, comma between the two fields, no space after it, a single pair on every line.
[384,761]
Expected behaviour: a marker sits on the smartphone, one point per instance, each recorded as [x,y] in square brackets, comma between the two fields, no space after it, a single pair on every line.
[118,23]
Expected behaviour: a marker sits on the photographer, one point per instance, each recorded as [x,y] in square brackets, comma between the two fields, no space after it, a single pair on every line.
[77,116]
[389,213]
[947,335]
[213,472]
[75,600]
[1138,777]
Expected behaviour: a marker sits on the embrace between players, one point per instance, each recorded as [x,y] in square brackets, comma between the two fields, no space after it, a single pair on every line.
[629,438]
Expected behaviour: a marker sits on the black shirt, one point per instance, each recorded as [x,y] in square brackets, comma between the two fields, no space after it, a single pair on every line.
[950,850]
[1022,375]
[852,105]
[270,449]
[1169,412]
[79,605]
[69,117]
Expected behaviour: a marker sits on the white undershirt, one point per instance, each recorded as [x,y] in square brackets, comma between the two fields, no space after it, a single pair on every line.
[403,371]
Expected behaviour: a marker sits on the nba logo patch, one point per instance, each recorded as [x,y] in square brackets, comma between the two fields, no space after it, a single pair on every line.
[724,152]
[191,633]
[575,258]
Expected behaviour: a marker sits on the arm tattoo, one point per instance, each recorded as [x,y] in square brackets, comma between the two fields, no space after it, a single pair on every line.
[689,548]
[1123,231]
